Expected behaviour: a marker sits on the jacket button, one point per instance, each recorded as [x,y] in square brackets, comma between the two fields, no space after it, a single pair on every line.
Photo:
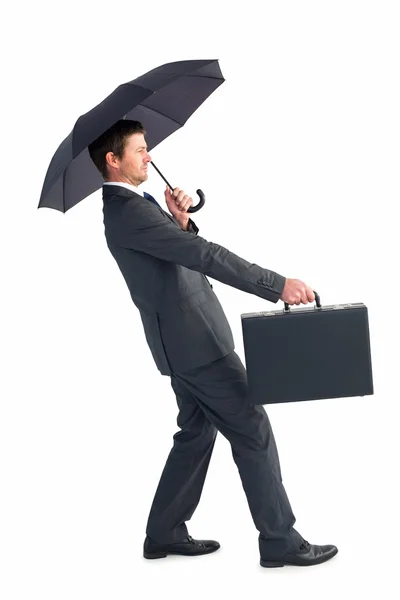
[264,282]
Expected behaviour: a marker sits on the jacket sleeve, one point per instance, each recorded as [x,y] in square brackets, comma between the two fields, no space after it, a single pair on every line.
[139,227]
[191,226]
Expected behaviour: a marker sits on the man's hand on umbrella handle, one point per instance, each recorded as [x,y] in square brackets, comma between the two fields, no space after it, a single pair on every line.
[297,292]
[178,202]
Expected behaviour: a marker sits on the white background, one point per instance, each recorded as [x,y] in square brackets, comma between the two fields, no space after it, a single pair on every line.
[298,154]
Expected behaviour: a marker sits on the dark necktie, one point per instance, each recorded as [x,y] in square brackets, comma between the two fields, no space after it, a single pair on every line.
[146,195]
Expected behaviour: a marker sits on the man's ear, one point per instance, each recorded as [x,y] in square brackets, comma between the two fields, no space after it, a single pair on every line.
[112,160]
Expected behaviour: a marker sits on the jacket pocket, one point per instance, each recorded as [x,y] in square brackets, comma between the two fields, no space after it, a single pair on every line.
[192,301]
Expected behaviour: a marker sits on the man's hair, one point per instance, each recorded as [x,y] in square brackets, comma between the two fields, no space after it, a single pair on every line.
[113,140]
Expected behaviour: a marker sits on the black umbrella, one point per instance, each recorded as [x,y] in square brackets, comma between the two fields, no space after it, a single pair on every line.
[162,100]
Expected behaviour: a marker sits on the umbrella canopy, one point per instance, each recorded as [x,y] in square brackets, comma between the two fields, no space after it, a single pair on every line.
[162,100]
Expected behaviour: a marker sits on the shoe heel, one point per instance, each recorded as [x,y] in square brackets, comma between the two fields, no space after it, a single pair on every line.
[271,563]
[154,554]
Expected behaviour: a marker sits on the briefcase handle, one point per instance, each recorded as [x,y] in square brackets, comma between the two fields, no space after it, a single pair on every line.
[317,302]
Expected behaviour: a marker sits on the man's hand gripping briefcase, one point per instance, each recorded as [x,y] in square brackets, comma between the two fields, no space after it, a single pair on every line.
[307,353]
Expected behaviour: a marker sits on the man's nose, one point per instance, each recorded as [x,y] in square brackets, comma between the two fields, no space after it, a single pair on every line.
[148,158]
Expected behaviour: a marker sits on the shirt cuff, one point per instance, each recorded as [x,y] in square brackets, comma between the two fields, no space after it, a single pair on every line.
[192,227]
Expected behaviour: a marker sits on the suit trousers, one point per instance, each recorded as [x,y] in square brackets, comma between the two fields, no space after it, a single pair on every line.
[213,398]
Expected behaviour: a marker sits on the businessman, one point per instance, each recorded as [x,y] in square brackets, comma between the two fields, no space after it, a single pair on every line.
[165,263]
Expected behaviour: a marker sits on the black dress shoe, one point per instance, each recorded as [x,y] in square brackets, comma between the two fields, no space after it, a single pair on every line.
[187,547]
[308,554]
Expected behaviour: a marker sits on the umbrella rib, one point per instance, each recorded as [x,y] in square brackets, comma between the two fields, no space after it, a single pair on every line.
[162,114]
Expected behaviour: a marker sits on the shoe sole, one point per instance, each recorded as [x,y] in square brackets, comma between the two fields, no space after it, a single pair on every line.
[152,555]
[278,563]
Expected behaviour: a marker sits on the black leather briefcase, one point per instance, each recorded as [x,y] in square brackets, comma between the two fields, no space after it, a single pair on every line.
[307,353]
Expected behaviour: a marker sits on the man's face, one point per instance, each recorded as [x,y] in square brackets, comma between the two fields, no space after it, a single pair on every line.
[132,168]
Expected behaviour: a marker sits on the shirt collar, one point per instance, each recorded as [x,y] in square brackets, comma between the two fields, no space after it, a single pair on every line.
[128,186]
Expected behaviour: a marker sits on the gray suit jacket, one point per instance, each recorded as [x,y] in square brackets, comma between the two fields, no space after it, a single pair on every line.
[165,269]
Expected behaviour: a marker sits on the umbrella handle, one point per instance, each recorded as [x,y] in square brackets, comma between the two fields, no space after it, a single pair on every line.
[200,204]
[200,194]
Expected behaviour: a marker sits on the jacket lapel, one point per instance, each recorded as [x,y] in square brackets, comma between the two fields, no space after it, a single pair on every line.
[110,191]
